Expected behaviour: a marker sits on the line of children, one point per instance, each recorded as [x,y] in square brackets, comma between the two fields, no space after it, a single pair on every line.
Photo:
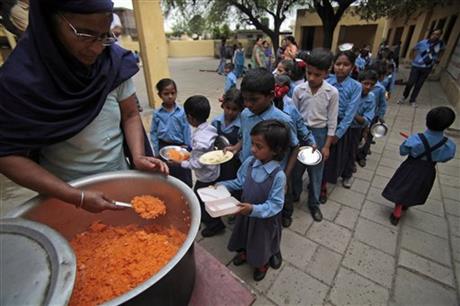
[413,180]
[379,92]
[304,135]
[169,127]
[362,119]
[257,89]
[318,103]
[349,98]
[257,232]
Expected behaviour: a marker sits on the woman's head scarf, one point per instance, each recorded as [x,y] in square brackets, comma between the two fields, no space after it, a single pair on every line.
[46,95]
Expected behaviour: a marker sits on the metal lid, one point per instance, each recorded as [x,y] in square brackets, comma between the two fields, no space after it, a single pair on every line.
[38,265]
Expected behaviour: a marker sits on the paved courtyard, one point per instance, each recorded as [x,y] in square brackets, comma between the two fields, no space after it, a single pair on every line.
[355,256]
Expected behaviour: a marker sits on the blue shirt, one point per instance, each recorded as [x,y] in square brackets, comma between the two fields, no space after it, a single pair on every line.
[380,100]
[249,120]
[366,109]
[235,124]
[304,134]
[260,173]
[349,96]
[426,53]
[360,63]
[170,127]
[413,146]
[230,81]
[239,57]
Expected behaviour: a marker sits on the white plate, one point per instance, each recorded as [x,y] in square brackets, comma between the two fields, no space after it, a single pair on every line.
[307,157]
[215,157]
[164,151]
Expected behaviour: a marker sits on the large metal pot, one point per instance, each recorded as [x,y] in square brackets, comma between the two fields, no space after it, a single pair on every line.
[173,284]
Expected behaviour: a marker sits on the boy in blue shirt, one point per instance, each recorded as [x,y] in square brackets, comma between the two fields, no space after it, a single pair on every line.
[362,119]
[380,109]
[257,89]
[230,77]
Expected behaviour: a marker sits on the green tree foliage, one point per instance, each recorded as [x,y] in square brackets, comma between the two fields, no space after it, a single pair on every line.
[251,12]
[374,9]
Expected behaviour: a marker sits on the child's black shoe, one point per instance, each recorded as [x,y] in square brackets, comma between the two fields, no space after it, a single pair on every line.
[239,259]
[286,221]
[259,273]
[394,220]
[276,261]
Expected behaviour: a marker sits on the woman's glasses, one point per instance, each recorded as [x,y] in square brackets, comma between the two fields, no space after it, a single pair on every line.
[107,39]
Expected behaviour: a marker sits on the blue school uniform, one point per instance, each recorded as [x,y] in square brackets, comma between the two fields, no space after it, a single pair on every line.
[304,134]
[231,131]
[413,180]
[230,81]
[349,97]
[249,120]
[340,154]
[366,109]
[239,62]
[169,128]
[426,53]
[380,100]
[259,234]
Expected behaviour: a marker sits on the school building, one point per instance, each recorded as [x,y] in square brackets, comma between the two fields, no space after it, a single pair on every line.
[408,30]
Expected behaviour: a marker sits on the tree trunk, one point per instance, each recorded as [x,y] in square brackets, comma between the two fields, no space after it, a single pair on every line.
[328,35]
[275,41]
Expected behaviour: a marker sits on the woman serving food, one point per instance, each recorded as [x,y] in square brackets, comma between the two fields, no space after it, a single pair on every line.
[68,106]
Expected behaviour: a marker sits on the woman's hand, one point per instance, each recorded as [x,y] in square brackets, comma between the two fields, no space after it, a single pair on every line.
[95,201]
[147,163]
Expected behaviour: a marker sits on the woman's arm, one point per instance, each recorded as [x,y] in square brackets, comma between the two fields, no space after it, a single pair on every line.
[134,134]
[29,174]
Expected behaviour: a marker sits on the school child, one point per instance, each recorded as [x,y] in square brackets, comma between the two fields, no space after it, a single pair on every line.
[197,109]
[284,67]
[363,117]
[284,103]
[169,127]
[230,77]
[380,110]
[256,235]
[349,97]
[238,60]
[257,89]
[318,103]
[412,182]
[228,125]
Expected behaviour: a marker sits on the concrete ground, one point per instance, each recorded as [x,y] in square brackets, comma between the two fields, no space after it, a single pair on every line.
[355,256]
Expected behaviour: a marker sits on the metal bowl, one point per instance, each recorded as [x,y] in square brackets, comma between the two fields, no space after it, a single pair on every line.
[309,157]
[379,130]
[164,151]
[173,284]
